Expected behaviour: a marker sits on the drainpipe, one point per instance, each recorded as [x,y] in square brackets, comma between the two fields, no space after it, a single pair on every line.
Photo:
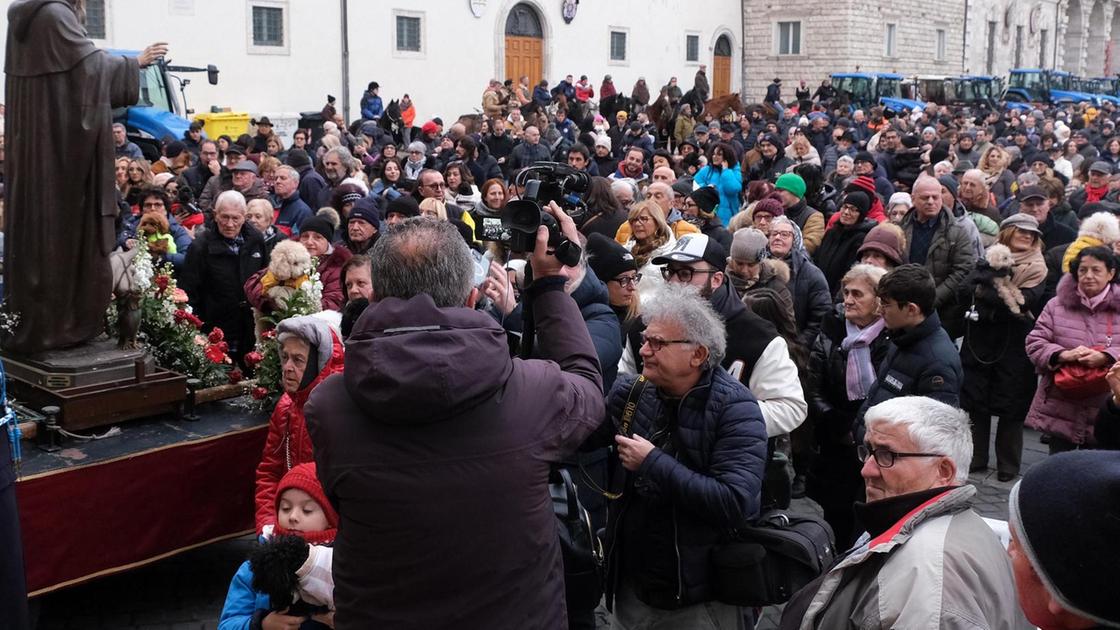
[964,39]
[343,6]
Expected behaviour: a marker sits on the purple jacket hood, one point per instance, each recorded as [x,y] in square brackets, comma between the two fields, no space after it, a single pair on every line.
[409,361]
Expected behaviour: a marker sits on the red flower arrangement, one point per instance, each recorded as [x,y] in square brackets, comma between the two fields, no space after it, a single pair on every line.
[183,316]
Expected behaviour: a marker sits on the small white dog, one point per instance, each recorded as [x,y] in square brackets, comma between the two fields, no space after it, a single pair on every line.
[999,258]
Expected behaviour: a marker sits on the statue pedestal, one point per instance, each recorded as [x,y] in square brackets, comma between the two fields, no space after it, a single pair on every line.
[94,384]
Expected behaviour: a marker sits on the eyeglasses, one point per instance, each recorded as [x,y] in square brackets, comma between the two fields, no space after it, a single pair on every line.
[657,345]
[439,185]
[627,281]
[684,273]
[848,208]
[689,203]
[884,457]
[781,233]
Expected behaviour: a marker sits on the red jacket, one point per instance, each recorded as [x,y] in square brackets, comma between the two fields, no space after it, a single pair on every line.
[288,443]
[330,274]
[584,92]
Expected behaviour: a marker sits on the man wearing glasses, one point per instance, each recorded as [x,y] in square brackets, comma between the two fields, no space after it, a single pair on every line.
[927,560]
[691,455]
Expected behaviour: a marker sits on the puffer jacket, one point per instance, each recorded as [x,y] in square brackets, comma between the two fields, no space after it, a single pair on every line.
[330,274]
[922,361]
[709,484]
[829,407]
[728,183]
[940,566]
[811,299]
[1066,323]
[951,257]
[288,443]
[435,447]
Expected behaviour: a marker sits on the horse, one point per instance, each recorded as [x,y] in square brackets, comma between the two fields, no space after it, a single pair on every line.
[392,123]
[721,106]
[610,106]
[661,114]
[472,122]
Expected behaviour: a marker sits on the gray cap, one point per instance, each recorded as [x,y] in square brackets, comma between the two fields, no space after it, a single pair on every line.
[1100,166]
[245,165]
[748,245]
[1023,222]
[700,129]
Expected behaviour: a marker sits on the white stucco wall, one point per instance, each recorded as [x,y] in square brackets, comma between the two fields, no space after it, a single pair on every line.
[461,52]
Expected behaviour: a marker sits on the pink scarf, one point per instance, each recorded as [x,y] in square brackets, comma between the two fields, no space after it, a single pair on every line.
[860,375]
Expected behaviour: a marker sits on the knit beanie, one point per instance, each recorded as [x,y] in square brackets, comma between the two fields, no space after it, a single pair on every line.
[706,198]
[366,210]
[950,182]
[791,183]
[304,477]
[607,258]
[770,205]
[1065,513]
[298,158]
[405,204]
[748,245]
[860,200]
[900,198]
[883,238]
[319,224]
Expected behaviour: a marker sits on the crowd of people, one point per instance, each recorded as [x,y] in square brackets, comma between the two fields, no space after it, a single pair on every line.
[791,300]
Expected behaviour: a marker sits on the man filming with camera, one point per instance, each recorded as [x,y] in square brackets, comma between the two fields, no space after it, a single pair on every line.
[435,446]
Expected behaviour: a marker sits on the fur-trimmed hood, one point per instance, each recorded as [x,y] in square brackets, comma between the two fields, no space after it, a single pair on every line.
[774,267]
[1101,225]
[1069,297]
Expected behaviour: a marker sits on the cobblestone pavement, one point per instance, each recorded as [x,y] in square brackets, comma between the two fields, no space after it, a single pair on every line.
[186,592]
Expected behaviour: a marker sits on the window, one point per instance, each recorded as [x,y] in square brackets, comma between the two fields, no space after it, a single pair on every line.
[692,48]
[618,46]
[408,33]
[940,45]
[1043,45]
[95,19]
[992,26]
[1018,46]
[890,49]
[789,38]
[268,26]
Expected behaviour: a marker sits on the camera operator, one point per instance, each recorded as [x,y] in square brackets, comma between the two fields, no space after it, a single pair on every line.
[453,434]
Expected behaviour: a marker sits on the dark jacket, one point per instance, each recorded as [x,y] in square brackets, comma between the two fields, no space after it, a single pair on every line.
[293,211]
[701,481]
[1108,426]
[452,428]
[811,299]
[484,168]
[838,250]
[922,361]
[311,186]
[197,176]
[829,406]
[526,154]
[214,277]
[714,230]
[950,258]
[769,170]
[1055,233]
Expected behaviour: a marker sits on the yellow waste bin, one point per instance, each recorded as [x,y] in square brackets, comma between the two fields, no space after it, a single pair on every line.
[217,124]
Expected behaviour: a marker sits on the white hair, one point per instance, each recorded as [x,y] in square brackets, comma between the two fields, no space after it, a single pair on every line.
[846,159]
[627,183]
[681,304]
[230,198]
[934,426]
[291,171]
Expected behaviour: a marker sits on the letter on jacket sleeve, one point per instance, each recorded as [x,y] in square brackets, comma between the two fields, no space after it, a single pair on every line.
[962,258]
[775,384]
[940,382]
[1040,340]
[242,602]
[730,493]
[813,232]
[562,337]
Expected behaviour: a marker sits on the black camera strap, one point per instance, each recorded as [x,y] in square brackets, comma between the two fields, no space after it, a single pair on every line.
[624,425]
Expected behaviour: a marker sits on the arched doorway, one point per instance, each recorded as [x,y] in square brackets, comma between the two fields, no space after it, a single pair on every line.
[524,44]
[1075,33]
[721,67]
[1095,44]
[1111,62]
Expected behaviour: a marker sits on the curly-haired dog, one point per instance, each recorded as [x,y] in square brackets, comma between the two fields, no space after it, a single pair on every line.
[288,268]
[156,231]
[999,258]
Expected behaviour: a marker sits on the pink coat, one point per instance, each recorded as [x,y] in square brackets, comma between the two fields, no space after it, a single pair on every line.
[1066,323]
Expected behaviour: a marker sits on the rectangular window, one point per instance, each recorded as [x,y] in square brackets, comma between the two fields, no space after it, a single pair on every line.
[1018,46]
[692,48]
[940,45]
[268,26]
[618,46]
[408,33]
[95,19]
[889,40]
[1043,46]
[992,26]
[789,38]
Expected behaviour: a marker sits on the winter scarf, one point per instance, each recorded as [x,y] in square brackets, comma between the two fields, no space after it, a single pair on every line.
[1093,195]
[860,373]
[1028,269]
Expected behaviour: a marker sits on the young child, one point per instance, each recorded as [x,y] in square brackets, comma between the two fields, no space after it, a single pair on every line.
[302,510]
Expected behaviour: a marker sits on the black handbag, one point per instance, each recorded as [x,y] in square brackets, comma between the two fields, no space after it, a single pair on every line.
[580,547]
[769,561]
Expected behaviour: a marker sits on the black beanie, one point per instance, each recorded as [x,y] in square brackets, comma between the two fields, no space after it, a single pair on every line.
[1065,513]
[860,200]
[405,204]
[607,258]
[950,182]
[298,158]
[319,224]
[706,198]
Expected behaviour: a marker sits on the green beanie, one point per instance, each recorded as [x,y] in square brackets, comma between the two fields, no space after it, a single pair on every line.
[791,182]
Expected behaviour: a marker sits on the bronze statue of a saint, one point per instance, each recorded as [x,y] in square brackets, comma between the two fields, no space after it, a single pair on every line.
[61,200]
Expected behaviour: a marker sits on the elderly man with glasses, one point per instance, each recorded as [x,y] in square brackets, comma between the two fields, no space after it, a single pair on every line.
[691,453]
[927,560]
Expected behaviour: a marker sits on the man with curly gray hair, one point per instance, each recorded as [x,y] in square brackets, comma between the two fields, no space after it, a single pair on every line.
[691,452]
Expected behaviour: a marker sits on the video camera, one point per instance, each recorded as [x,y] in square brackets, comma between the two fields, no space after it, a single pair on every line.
[543,182]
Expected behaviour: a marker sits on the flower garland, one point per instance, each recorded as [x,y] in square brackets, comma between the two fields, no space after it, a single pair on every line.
[171,331]
[264,360]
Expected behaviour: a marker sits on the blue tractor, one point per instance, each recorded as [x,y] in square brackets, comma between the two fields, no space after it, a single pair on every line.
[1031,85]
[1101,89]
[863,90]
[159,113]
[976,90]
